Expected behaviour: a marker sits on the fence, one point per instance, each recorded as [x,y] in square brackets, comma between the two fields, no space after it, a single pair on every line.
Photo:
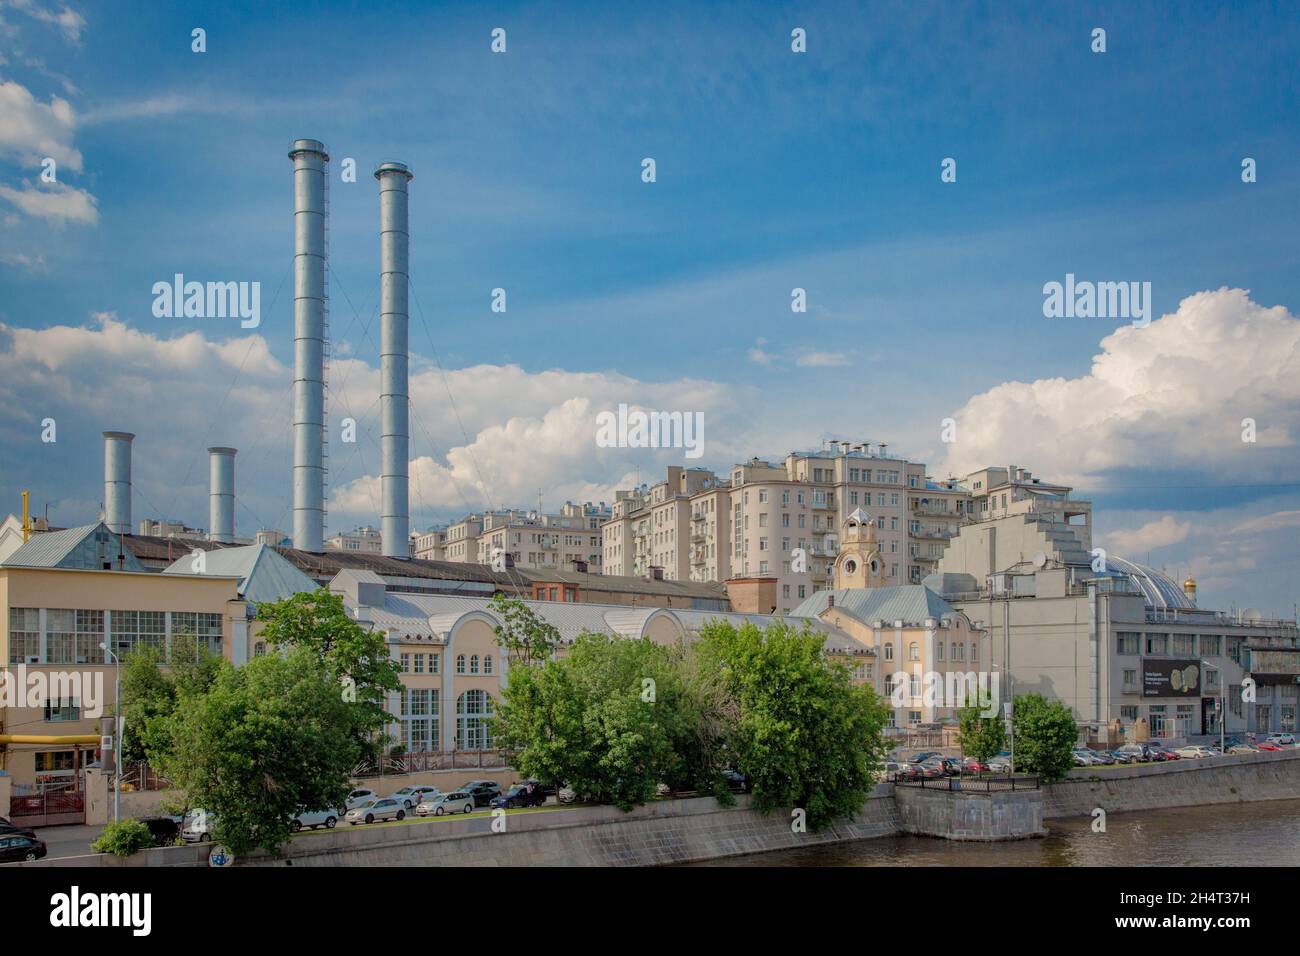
[396,764]
[974,782]
[141,776]
[48,809]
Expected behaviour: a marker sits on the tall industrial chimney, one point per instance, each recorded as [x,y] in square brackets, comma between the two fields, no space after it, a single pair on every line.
[221,495]
[309,181]
[117,481]
[394,254]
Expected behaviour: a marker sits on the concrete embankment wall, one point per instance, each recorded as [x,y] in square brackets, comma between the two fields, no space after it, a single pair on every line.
[969,814]
[1235,778]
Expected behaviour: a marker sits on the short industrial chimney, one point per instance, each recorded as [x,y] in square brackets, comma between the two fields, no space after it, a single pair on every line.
[394,254]
[221,495]
[309,183]
[117,481]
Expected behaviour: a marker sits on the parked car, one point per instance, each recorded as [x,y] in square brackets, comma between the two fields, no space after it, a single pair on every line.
[358,797]
[387,808]
[462,801]
[931,768]
[1134,753]
[410,796]
[1282,740]
[1194,752]
[972,765]
[164,831]
[735,779]
[1084,757]
[923,756]
[10,829]
[1103,757]
[1242,749]
[482,791]
[311,819]
[1268,746]
[527,794]
[890,770]
[1165,754]
[196,826]
[566,795]
[1000,765]
[19,847]
[951,765]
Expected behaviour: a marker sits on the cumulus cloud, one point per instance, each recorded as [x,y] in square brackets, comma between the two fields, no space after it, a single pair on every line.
[509,433]
[57,202]
[1154,534]
[31,130]
[1172,395]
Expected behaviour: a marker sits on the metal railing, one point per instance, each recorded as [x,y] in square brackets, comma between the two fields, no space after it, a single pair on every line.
[398,764]
[977,783]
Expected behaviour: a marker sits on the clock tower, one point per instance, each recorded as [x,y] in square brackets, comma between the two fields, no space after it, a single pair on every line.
[859,564]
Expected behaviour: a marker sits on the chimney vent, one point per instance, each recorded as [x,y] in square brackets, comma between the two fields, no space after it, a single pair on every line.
[117,481]
[221,495]
[394,266]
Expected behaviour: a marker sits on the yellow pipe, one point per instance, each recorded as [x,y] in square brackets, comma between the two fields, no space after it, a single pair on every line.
[38,739]
[27,522]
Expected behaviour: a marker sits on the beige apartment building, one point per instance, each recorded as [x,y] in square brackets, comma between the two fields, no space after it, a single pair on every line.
[565,541]
[365,540]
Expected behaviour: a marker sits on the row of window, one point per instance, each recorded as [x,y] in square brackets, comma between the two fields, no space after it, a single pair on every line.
[410,663]
[1133,643]
[74,636]
[957,653]
[421,721]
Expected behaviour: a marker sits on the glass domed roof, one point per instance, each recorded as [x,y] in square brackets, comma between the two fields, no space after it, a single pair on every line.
[1158,589]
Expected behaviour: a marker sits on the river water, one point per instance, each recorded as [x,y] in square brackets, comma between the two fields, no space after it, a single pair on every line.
[1238,834]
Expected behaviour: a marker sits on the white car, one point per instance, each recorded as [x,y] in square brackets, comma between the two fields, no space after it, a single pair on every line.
[1282,740]
[359,796]
[1194,752]
[566,795]
[1000,765]
[311,819]
[1082,758]
[196,826]
[372,810]
[459,802]
[411,796]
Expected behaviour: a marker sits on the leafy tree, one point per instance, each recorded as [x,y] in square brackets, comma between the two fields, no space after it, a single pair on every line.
[612,719]
[1045,736]
[527,638]
[265,742]
[980,737]
[802,734]
[151,688]
[354,656]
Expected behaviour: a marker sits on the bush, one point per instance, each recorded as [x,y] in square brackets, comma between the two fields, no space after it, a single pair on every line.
[123,838]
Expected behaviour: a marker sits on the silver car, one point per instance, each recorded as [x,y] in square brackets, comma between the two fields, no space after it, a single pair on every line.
[459,802]
[311,819]
[411,796]
[386,809]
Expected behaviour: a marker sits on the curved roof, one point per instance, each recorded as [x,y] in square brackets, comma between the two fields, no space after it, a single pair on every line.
[1158,589]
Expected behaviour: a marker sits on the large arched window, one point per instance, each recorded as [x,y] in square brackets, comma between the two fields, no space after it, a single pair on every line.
[473,718]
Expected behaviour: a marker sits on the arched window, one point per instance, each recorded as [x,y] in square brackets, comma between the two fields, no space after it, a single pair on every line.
[460,663]
[974,651]
[474,712]
[487,664]
[473,664]
[956,651]
[889,652]
[913,652]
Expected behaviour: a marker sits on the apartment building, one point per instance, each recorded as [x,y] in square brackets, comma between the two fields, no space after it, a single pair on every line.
[365,540]
[565,541]
[429,545]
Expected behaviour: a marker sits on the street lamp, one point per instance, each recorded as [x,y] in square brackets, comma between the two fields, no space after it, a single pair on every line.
[117,735]
[1223,716]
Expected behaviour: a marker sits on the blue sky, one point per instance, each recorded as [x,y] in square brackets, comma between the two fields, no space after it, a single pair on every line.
[775,170]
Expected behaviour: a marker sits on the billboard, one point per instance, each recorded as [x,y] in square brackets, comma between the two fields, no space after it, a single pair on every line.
[1171,678]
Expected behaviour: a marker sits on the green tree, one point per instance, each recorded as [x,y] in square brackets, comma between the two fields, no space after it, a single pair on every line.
[265,742]
[980,736]
[525,636]
[1045,736]
[150,690]
[612,719]
[801,732]
[354,656]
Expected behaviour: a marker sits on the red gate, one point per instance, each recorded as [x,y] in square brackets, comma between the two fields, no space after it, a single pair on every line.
[48,809]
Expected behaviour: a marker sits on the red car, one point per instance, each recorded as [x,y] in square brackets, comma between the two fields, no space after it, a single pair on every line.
[971,765]
[1265,745]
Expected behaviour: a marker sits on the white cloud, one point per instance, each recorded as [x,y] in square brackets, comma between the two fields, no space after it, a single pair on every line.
[822,359]
[1153,535]
[69,21]
[56,202]
[31,130]
[526,430]
[1172,395]
[19,260]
